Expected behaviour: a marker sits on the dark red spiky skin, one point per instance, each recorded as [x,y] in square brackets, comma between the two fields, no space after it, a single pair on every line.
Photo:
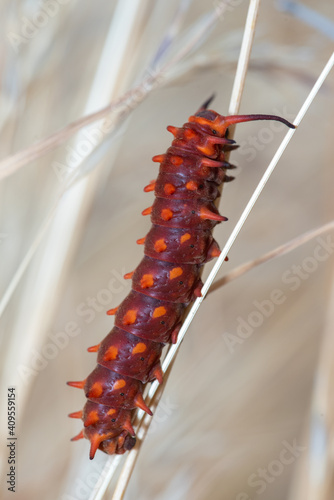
[167,279]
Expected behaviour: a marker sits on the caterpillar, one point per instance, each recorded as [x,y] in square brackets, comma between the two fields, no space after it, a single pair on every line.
[167,279]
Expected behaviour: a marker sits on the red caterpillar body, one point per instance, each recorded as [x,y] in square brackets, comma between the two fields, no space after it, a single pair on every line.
[165,282]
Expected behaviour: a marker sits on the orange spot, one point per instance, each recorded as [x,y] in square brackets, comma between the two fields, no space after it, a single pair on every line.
[92,418]
[113,311]
[159,311]
[175,273]
[208,149]
[192,185]
[176,160]
[141,241]
[166,214]
[111,411]
[169,189]
[140,347]
[111,353]
[128,276]
[119,384]
[189,134]
[146,281]
[96,390]
[147,211]
[160,245]
[129,317]
[205,213]
[158,158]
[185,237]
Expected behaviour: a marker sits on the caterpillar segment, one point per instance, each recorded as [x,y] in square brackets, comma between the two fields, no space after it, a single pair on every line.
[167,279]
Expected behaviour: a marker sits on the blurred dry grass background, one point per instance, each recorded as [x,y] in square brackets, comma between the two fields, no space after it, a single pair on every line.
[227,411]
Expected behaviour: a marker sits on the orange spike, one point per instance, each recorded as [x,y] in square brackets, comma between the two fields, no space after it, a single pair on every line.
[94,348]
[128,276]
[95,442]
[150,187]
[173,130]
[78,385]
[128,427]
[140,403]
[205,213]
[158,158]
[175,333]
[211,163]
[76,414]
[157,373]
[214,250]
[79,436]
[141,241]
[113,311]
[147,211]
[197,291]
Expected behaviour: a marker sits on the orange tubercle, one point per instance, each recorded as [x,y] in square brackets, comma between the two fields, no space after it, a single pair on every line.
[76,414]
[205,213]
[128,276]
[147,211]
[158,158]
[150,187]
[94,348]
[78,385]
[112,311]
[79,436]
[141,241]
[172,130]
[140,403]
